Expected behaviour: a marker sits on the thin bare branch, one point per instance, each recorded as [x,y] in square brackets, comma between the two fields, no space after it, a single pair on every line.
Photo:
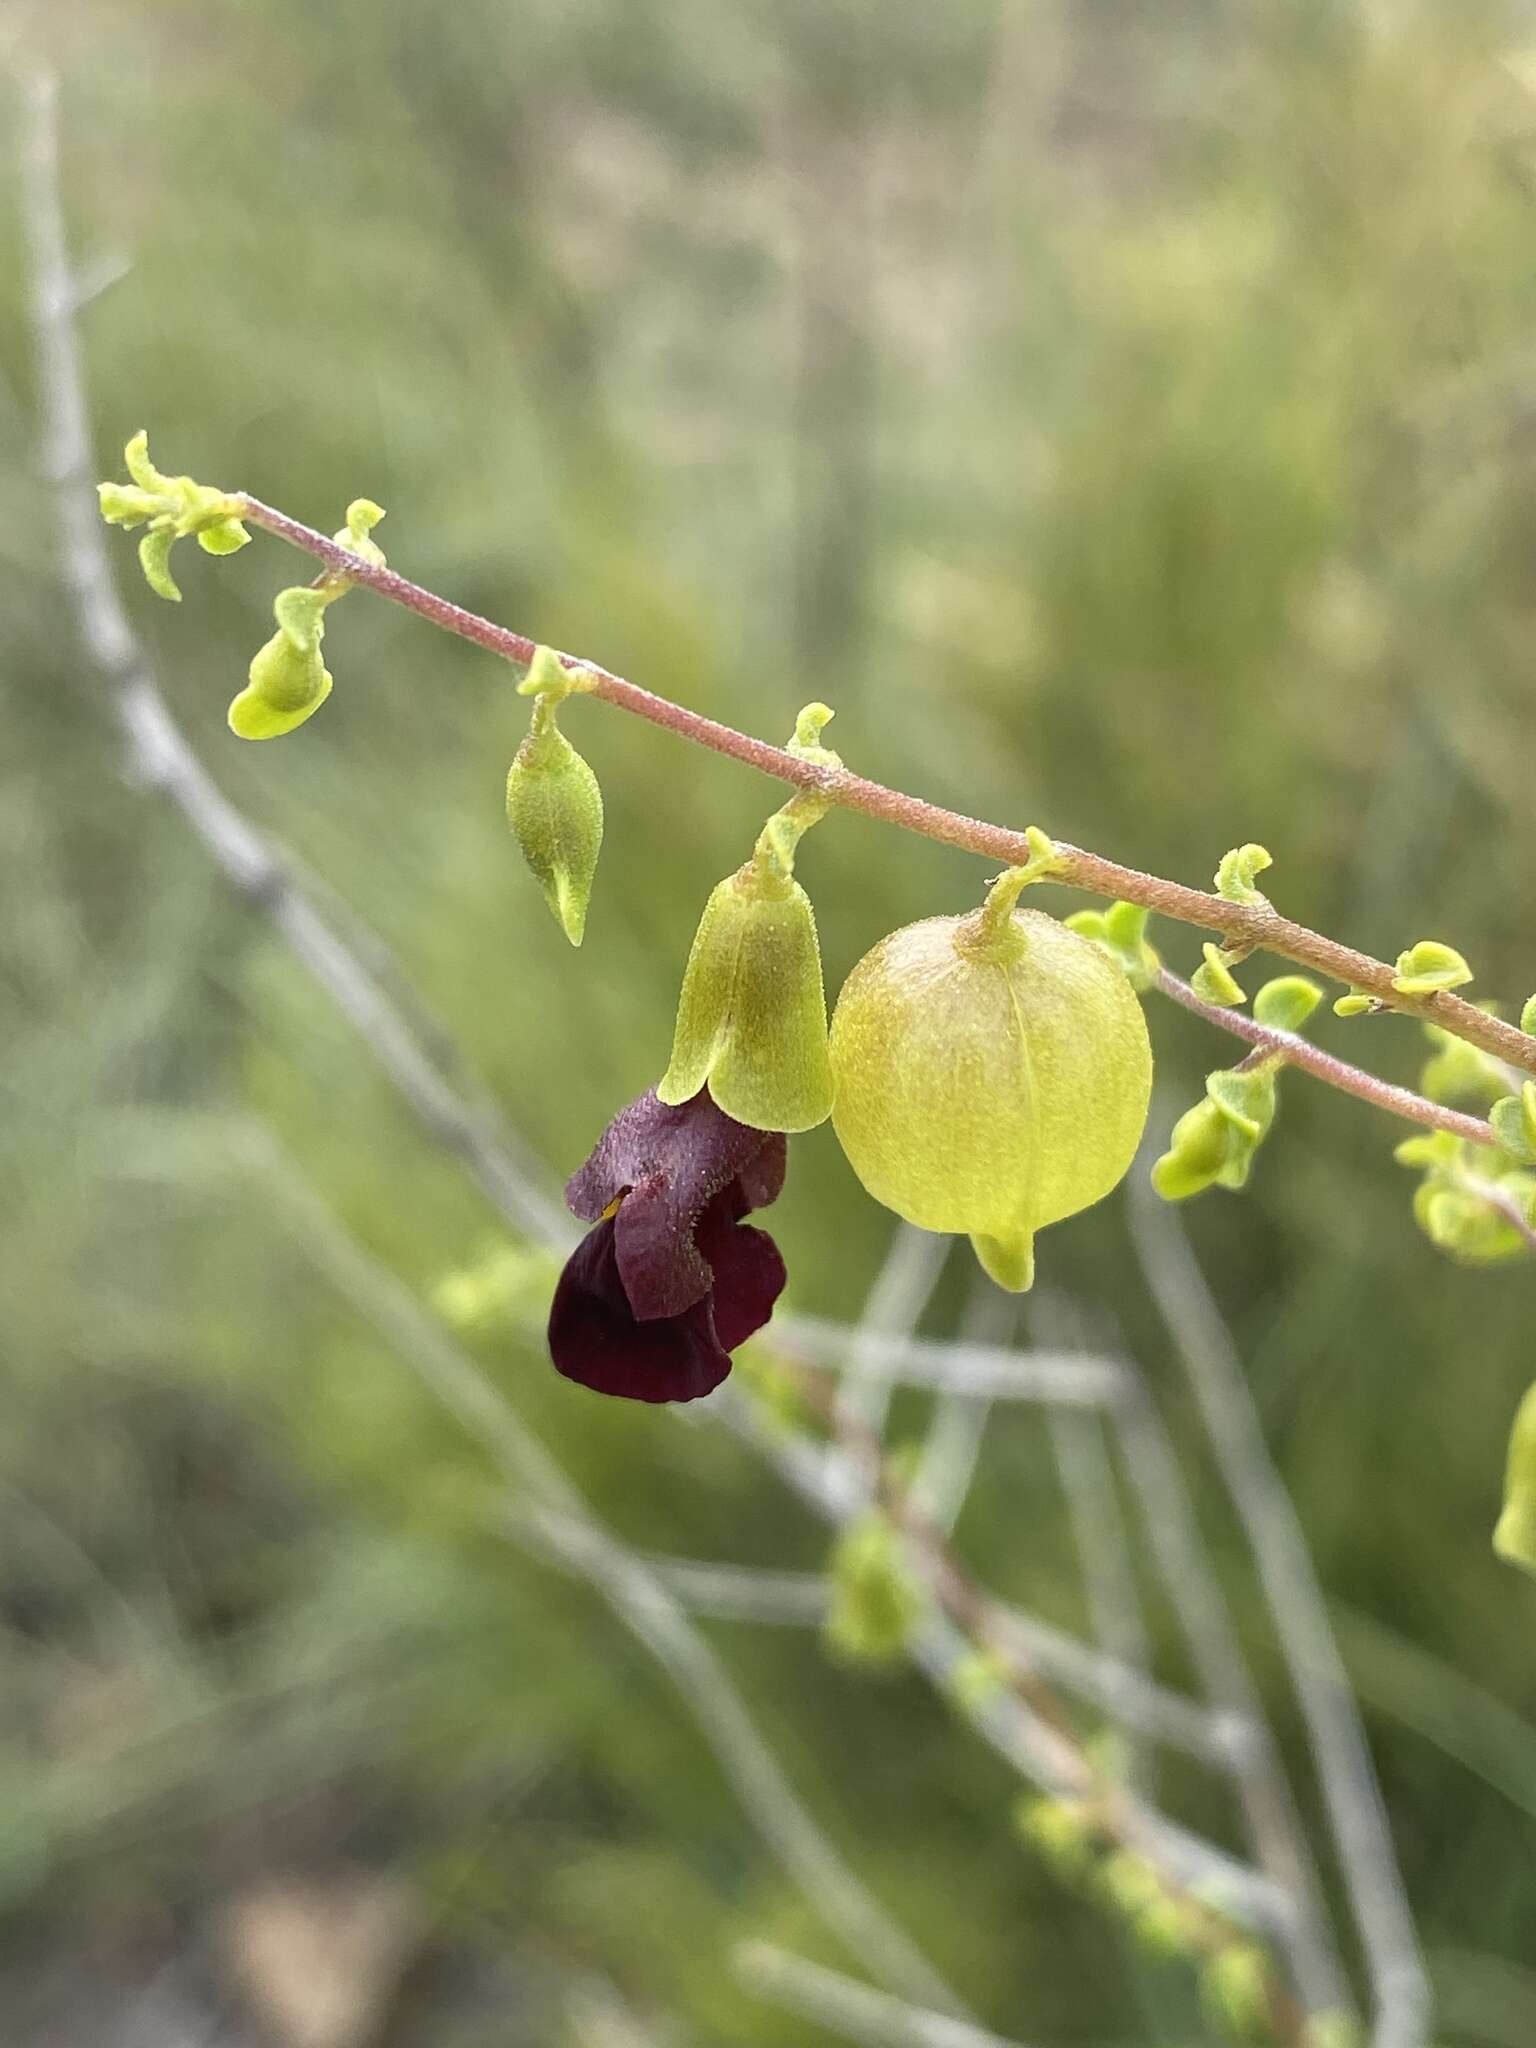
[902,1289]
[958,1427]
[635,1593]
[1310,1059]
[1399,1982]
[847,2007]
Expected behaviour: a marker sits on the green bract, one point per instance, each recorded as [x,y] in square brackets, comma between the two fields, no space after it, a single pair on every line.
[174,507]
[991,1075]
[1515,1537]
[752,1018]
[288,679]
[1213,981]
[555,810]
[1428,967]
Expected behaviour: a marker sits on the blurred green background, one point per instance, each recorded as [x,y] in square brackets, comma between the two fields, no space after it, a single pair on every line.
[1125,418]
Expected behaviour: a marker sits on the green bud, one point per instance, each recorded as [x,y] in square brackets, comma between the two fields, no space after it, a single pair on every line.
[1199,1148]
[1528,1018]
[1358,1003]
[143,471]
[1234,1987]
[1286,1003]
[1120,932]
[1334,2030]
[752,1017]
[1462,1223]
[1214,983]
[362,517]
[1061,1830]
[1235,876]
[1514,1122]
[288,679]
[126,504]
[175,506]
[555,810]
[1515,1537]
[1428,967]
[978,1680]
[874,1598]
[991,1075]
[1129,1882]
[1212,1145]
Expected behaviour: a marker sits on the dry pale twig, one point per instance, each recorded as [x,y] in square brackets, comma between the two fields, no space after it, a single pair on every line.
[1399,1981]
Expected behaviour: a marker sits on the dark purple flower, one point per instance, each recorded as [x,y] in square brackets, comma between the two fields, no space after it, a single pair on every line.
[653,1300]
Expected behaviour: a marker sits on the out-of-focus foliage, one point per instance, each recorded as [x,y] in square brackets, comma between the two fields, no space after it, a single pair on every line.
[1122,416]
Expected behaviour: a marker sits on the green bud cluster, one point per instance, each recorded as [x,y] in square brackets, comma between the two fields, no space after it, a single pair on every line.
[875,1598]
[173,508]
[554,804]
[1213,980]
[1213,1144]
[1460,1204]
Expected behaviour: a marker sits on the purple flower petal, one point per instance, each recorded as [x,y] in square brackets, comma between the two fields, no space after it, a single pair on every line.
[748,1270]
[665,1165]
[595,1338]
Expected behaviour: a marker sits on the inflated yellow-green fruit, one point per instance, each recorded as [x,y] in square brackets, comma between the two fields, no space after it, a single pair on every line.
[990,1075]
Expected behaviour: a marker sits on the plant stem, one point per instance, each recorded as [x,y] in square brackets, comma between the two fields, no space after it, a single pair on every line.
[1257,927]
[1323,1066]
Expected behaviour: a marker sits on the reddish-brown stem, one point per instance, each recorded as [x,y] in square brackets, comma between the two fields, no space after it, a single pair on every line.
[1247,925]
[1300,1052]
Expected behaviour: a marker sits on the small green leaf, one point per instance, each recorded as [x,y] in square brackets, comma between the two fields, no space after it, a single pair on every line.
[142,470]
[126,505]
[1246,1099]
[1429,1149]
[1213,982]
[224,537]
[363,515]
[155,561]
[555,810]
[1235,876]
[1428,967]
[1514,1120]
[1356,1004]
[1528,1018]
[1120,933]
[1199,1150]
[547,676]
[1286,1003]
[1515,1537]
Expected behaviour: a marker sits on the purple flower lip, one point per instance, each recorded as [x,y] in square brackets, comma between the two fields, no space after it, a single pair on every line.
[670,1281]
